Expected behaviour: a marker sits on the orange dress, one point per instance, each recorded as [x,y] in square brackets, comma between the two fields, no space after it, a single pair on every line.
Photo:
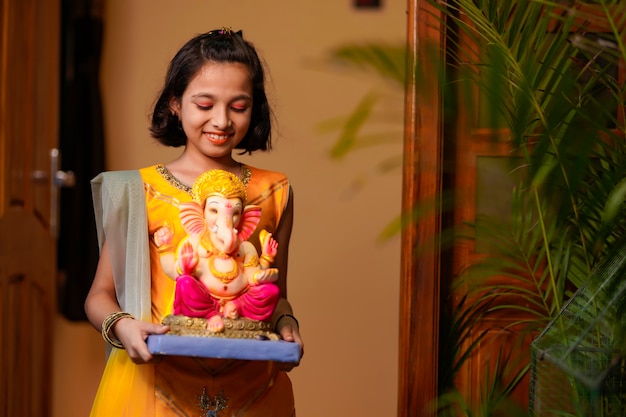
[187,386]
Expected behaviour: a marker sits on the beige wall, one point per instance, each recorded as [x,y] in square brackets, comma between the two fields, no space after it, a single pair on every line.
[343,283]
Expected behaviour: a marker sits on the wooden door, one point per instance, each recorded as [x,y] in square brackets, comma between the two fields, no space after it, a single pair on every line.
[29,79]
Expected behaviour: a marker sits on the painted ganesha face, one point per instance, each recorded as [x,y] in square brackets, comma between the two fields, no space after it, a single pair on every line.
[219,209]
[222,216]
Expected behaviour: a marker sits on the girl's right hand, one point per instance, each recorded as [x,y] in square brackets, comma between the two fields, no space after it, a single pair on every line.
[133,333]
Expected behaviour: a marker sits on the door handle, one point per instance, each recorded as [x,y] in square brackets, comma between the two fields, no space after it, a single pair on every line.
[57,179]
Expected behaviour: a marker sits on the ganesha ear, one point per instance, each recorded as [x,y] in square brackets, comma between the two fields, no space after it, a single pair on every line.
[249,220]
[192,218]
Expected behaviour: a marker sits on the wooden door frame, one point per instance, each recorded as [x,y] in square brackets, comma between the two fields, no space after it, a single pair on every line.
[29,83]
[422,184]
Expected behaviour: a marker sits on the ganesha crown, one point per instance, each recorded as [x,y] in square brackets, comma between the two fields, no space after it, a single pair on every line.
[218,182]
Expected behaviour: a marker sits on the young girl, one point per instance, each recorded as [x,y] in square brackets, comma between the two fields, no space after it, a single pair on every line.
[212,103]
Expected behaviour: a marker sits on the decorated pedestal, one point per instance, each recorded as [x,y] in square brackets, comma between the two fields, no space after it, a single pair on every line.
[241,339]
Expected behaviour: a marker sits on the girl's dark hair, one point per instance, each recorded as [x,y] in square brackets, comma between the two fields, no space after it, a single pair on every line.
[219,46]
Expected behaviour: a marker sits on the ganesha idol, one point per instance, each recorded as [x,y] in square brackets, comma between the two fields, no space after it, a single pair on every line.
[219,273]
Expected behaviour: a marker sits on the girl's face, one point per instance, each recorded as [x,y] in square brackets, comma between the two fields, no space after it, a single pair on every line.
[216,108]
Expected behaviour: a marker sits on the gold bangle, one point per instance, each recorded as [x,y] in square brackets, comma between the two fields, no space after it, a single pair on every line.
[164,249]
[108,324]
[267,258]
[254,276]
[282,316]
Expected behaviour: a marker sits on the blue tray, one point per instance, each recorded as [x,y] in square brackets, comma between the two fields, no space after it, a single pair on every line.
[224,348]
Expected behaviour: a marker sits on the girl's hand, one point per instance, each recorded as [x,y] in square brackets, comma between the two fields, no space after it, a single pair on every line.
[133,334]
[288,330]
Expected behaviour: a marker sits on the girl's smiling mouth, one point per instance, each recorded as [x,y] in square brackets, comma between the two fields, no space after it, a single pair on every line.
[217,139]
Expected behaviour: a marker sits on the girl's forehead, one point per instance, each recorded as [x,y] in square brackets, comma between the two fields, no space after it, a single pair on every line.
[231,73]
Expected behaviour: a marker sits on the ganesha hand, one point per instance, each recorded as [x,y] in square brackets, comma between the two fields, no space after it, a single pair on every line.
[163,237]
[265,275]
[231,311]
[269,248]
[187,259]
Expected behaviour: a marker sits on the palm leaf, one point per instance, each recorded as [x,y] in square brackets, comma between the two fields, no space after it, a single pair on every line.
[386,61]
[375,111]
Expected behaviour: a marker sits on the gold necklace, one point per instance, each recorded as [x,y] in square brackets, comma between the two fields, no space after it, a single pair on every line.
[225,277]
[244,175]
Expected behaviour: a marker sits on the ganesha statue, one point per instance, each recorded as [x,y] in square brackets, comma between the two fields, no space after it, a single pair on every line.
[219,273]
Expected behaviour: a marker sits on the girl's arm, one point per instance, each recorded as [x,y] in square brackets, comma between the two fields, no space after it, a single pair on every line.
[101,301]
[284,322]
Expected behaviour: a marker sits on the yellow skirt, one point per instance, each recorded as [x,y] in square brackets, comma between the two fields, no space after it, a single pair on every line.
[193,387]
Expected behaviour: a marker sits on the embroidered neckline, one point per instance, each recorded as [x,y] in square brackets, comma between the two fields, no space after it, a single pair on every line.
[244,176]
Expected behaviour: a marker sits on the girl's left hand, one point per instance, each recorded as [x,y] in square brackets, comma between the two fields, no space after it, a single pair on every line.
[288,330]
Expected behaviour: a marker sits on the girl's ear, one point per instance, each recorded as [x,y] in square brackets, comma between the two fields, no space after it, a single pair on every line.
[175,106]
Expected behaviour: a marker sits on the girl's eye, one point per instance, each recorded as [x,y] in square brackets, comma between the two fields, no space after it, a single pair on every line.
[239,109]
[207,106]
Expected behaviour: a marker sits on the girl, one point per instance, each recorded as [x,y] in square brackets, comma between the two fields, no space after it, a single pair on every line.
[212,103]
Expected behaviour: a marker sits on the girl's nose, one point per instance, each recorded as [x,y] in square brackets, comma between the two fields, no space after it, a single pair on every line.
[221,120]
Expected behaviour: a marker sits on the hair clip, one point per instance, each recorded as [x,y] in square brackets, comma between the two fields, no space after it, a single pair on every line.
[228,31]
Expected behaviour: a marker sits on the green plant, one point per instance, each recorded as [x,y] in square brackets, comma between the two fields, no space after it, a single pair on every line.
[376,119]
[553,87]
[547,77]
[387,63]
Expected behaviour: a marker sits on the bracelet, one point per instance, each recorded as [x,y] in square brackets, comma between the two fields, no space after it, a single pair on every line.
[108,324]
[164,248]
[267,258]
[282,316]
[254,277]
